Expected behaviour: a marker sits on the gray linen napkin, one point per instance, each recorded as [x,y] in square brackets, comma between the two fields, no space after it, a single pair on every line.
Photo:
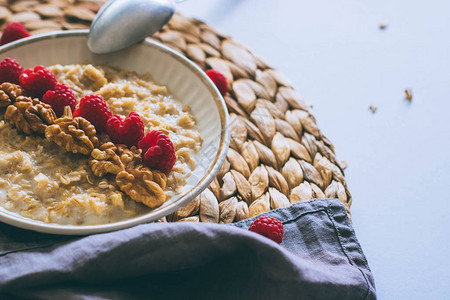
[320,258]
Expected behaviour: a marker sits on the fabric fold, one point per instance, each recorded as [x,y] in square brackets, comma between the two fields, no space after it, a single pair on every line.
[320,258]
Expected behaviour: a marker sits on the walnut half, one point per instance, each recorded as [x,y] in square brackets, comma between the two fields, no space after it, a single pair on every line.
[8,93]
[76,135]
[143,185]
[30,115]
[111,158]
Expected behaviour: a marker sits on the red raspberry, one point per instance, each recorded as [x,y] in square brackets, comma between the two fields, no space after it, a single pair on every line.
[157,151]
[61,97]
[10,70]
[219,80]
[13,31]
[129,131]
[268,227]
[38,81]
[94,109]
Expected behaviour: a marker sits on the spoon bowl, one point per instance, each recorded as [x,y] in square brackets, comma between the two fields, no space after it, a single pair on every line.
[122,23]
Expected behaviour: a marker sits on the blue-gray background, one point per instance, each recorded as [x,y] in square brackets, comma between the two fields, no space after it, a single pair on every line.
[398,158]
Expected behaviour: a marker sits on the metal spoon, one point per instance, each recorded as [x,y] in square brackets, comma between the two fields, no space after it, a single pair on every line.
[122,23]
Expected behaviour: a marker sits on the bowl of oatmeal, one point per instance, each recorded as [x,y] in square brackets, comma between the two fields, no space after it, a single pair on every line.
[49,187]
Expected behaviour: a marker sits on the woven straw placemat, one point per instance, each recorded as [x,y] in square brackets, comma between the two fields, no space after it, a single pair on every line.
[277,154]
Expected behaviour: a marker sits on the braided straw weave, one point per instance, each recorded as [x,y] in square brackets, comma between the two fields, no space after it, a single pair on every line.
[277,154]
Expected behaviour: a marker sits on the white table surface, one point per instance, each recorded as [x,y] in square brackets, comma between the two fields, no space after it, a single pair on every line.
[398,158]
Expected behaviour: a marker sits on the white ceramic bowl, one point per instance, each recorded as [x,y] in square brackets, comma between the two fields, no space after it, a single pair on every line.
[187,82]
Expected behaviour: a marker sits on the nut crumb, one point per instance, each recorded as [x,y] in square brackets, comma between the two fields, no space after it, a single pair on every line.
[373,109]
[111,158]
[408,94]
[143,185]
[383,25]
[30,115]
[76,135]
[8,93]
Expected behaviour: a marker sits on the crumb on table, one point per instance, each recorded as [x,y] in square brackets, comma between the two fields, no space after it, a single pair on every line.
[383,25]
[408,94]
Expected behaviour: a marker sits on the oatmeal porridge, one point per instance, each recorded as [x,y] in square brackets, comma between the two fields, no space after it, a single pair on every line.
[42,181]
